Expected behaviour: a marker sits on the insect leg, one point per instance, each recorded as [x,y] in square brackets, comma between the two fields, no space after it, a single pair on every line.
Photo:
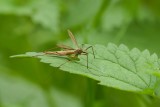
[85,53]
[64,63]
[92,50]
[87,60]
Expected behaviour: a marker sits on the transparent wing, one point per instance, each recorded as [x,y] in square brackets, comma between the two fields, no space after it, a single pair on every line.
[72,38]
[65,47]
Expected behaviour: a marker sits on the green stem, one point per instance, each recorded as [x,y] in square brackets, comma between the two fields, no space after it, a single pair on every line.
[49,98]
[90,93]
[98,16]
[120,35]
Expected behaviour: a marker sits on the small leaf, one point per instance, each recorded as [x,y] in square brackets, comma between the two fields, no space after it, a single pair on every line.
[114,66]
[45,13]
[115,16]
[89,11]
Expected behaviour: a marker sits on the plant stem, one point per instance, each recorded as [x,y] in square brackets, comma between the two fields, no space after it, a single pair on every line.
[90,93]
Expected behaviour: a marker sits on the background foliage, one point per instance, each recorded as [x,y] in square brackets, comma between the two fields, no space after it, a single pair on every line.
[33,25]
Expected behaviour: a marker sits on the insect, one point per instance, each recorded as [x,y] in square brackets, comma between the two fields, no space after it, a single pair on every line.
[71,52]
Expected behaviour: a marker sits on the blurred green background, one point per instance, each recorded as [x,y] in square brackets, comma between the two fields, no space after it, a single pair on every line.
[38,25]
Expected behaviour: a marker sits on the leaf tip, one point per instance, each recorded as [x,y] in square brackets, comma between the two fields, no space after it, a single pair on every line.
[16,56]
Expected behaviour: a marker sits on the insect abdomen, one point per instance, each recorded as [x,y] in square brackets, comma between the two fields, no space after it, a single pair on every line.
[61,53]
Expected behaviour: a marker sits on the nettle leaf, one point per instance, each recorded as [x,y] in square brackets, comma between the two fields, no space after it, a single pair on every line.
[114,66]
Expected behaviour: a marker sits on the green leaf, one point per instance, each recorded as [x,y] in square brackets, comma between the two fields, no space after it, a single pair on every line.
[114,66]
[44,12]
[16,91]
[114,17]
[82,15]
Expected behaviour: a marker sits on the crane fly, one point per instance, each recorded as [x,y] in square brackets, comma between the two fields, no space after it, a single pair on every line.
[71,52]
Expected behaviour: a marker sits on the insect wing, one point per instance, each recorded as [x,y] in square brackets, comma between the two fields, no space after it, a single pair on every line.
[72,38]
[65,47]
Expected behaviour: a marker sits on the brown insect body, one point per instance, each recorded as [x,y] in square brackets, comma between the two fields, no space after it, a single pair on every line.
[60,53]
[79,51]
[68,51]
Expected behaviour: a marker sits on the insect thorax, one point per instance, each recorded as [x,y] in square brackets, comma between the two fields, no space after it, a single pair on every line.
[78,51]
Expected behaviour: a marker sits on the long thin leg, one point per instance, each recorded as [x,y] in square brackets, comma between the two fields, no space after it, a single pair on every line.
[87,60]
[92,50]
[64,63]
[85,53]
